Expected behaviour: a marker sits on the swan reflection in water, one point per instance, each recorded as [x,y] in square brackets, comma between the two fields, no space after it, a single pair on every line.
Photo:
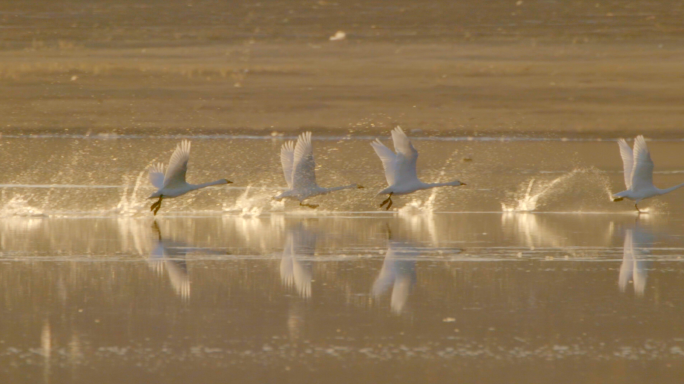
[634,268]
[169,256]
[296,264]
[399,272]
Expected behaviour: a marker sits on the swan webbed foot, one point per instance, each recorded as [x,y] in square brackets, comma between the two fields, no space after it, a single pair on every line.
[387,200]
[156,205]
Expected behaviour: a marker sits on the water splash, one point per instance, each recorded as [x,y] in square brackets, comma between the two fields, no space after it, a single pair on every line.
[527,201]
[534,194]
[135,235]
[418,207]
[19,206]
[130,203]
[254,205]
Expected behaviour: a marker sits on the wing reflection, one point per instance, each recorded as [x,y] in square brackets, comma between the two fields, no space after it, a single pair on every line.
[399,272]
[634,268]
[170,256]
[295,269]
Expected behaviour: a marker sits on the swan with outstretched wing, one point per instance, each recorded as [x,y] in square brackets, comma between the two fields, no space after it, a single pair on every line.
[400,168]
[299,169]
[638,172]
[171,183]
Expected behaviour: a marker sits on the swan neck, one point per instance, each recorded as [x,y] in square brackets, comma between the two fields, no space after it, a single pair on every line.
[447,184]
[667,190]
[209,184]
[350,186]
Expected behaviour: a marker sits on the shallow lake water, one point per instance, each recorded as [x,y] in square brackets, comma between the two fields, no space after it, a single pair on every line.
[529,273]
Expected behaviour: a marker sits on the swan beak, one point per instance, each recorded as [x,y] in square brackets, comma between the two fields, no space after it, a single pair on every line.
[616,199]
[228,181]
[464,184]
[360,187]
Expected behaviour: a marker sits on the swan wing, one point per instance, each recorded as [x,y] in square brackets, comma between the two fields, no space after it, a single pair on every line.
[642,244]
[286,268]
[640,276]
[627,161]
[156,174]
[627,266]
[287,152]
[407,157]
[293,270]
[388,159]
[642,170]
[304,176]
[178,166]
[301,271]
[387,273]
[400,292]
[177,270]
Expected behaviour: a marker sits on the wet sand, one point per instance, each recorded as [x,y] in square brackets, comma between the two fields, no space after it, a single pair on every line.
[575,69]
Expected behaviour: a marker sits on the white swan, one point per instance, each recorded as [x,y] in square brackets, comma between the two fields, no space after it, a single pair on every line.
[299,169]
[295,272]
[172,182]
[400,167]
[638,169]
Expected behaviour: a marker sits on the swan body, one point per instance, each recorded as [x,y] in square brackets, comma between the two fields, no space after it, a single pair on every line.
[638,172]
[299,169]
[172,182]
[400,167]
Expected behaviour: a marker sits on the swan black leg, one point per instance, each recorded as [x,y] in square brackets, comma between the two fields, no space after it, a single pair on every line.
[155,207]
[389,205]
[155,226]
[637,208]
[387,200]
[155,204]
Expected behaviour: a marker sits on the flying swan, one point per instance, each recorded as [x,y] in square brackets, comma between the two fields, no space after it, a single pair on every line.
[400,168]
[172,182]
[638,169]
[299,169]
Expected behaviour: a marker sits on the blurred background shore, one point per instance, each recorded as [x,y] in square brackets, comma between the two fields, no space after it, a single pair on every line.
[575,68]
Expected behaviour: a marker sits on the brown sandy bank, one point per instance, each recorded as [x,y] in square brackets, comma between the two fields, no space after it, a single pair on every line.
[495,68]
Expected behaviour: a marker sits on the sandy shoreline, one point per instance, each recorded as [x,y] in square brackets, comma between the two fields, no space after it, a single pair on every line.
[467,88]
[605,72]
